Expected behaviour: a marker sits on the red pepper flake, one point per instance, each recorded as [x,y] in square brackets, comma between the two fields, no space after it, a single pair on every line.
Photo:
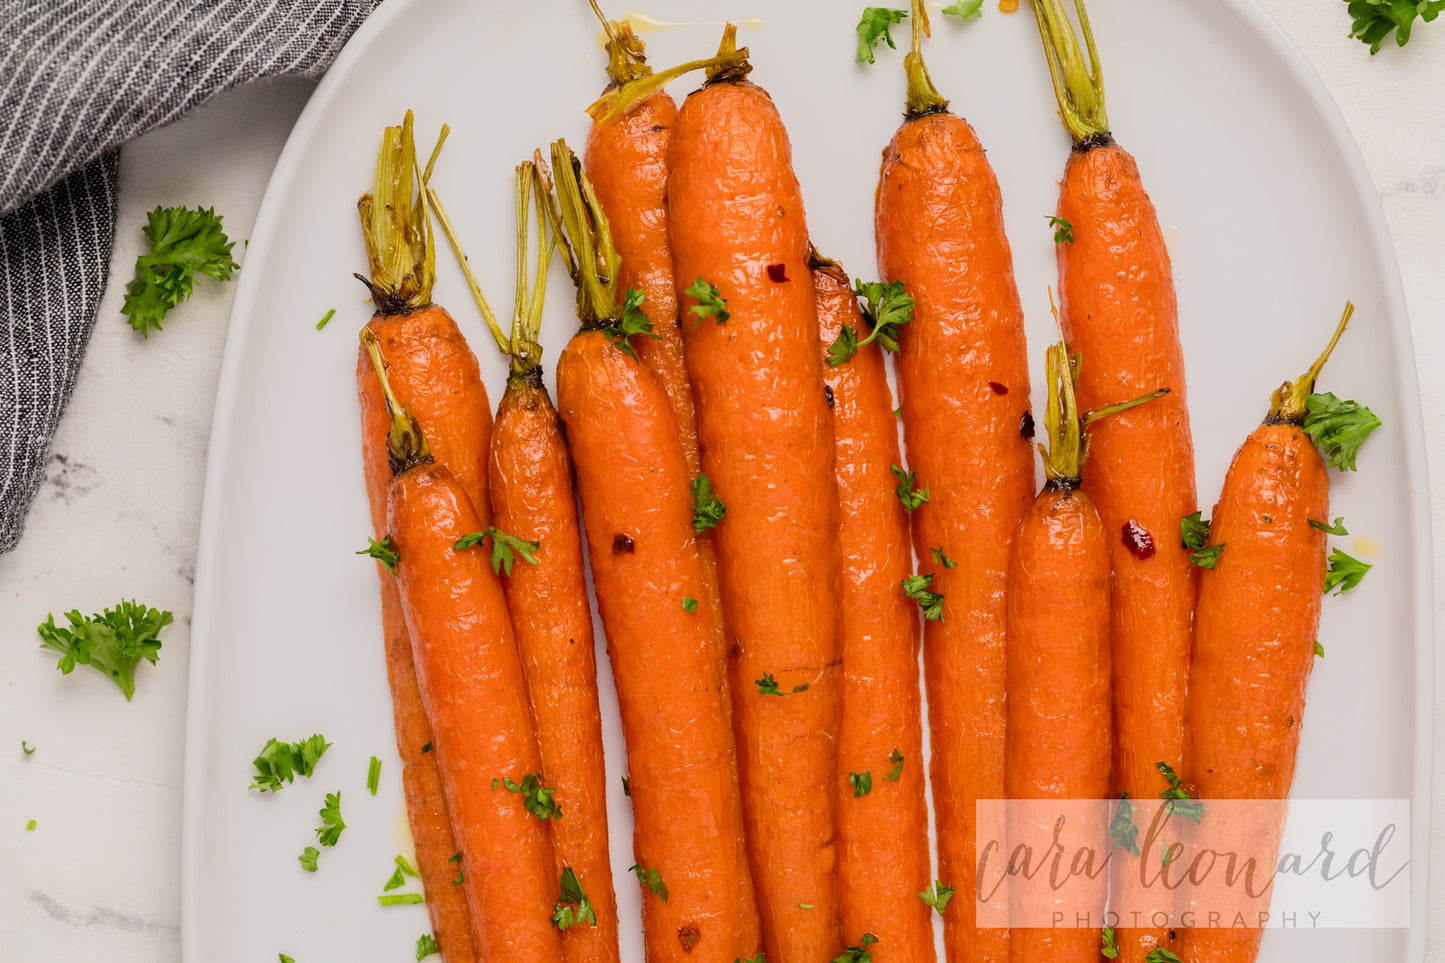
[1137,540]
[622,545]
[777,273]
[998,389]
[1026,424]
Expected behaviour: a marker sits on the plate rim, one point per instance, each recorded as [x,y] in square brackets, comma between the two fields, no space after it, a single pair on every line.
[269,219]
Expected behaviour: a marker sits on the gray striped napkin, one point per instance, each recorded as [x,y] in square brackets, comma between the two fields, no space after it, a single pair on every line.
[79,78]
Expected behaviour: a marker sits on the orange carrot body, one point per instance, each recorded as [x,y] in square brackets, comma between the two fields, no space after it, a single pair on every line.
[531,489]
[1258,616]
[632,475]
[963,377]
[737,221]
[435,373]
[1119,312]
[627,164]
[882,835]
[476,697]
[1058,684]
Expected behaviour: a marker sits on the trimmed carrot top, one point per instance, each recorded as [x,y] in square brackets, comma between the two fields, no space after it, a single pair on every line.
[395,226]
[406,446]
[923,97]
[1287,403]
[633,81]
[1079,86]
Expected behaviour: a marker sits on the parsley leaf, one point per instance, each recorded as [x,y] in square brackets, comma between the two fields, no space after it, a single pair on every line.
[426,945]
[844,347]
[1181,801]
[573,907]
[689,604]
[383,551]
[1375,19]
[707,508]
[943,559]
[1345,572]
[967,9]
[1160,955]
[652,880]
[536,798]
[30,826]
[1122,831]
[308,858]
[1063,230]
[895,771]
[633,321]
[27,747]
[328,316]
[1338,528]
[886,307]
[906,480]
[399,899]
[1208,556]
[280,762]
[331,822]
[284,958]
[113,642]
[373,775]
[1110,949]
[1193,531]
[1319,649]
[404,868]
[710,302]
[937,896]
[859,953]
[183,242]
[768,685]
[862,782]
[916,588]
[1338,427]
[505,548]
[873,27]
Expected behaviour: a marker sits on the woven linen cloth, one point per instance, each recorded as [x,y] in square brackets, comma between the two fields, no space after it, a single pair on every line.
[79,78]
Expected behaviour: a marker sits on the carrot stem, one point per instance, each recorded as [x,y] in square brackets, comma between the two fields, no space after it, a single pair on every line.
[586,238]
[395,226]
[923,97]
[1068,445]
[732,63]
[1288,401]
[488,315]
[1079,86]
[527,315]
[626,59]
[406,446]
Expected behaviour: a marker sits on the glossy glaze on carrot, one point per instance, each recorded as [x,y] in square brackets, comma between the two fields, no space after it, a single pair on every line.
[883,834]
[737,222]
[531,488]
[632,476]
[964,386]
[472,684]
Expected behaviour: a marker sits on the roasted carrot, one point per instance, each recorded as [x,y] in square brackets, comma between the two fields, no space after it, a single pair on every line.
[1254,643]
[1059,708]
[739,238]
[435,374]
[1119,311]
[963,378]
[532,495]
[883,863]
[475,694]
[626,162]
[633,478]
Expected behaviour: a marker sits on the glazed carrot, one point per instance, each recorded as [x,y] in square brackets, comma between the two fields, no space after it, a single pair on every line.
[737,224]
[1119,311]
[476,698]
[633,478]
[531,493]
[1254,643]
[626,161]
[1059,708]
[435,374]
[883,862]
[963,378]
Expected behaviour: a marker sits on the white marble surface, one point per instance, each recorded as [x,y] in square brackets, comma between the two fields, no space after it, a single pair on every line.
[118,515]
